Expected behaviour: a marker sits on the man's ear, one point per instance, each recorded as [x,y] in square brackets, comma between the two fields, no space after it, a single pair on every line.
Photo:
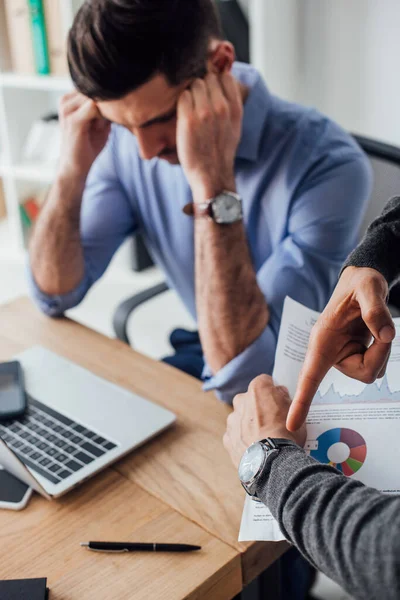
[221,57]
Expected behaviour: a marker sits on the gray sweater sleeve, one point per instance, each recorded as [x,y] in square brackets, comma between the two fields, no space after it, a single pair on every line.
[347,530]
[380,248]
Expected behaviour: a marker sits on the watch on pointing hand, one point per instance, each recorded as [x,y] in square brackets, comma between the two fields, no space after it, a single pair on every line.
[256,461]
[224,209]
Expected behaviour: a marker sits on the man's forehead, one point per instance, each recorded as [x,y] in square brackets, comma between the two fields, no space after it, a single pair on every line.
[150,101]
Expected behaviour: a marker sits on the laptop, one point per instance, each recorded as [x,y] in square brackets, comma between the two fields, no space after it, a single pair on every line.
[76,424]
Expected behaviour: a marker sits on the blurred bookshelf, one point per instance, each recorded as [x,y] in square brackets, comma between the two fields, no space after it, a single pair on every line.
[33,78]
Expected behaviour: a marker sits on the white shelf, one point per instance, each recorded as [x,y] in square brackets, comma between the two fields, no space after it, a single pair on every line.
[25,98]
[28,172]
[35,82]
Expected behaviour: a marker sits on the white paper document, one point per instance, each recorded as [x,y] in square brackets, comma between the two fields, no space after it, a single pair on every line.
[352,426]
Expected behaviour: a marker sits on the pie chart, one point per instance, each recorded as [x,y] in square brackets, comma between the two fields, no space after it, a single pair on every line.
[356,445]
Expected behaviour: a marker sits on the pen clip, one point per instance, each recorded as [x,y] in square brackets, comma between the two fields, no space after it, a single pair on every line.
[109,551]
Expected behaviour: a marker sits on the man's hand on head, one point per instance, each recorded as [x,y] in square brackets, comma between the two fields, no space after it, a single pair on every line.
[356,313]
[259,414]
[209,127]
[84,134]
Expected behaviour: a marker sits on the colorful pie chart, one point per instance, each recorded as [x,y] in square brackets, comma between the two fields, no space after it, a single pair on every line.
[352,439]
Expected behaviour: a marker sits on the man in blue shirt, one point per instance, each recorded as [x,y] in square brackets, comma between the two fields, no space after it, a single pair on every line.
[274,192]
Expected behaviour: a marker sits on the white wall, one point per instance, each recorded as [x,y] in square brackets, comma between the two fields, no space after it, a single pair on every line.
[341,56]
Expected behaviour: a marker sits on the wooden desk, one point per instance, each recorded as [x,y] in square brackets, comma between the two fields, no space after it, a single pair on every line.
[187,467]
[43,541]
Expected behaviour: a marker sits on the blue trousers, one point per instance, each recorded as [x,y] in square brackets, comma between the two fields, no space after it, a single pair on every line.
[296,574]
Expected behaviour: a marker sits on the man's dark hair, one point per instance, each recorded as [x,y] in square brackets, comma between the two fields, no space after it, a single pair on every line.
[115,46]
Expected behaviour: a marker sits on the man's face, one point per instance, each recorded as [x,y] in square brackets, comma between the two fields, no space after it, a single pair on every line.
[150,114]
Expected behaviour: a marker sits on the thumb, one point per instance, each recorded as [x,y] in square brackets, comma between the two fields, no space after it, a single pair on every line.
[375,314]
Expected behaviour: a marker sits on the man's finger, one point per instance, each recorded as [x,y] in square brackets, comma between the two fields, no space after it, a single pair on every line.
[185,104]
[68,106]
[321,356]
[230,87]
[88,111]
[367,365]
[375,314]
[218,101]
[200,98]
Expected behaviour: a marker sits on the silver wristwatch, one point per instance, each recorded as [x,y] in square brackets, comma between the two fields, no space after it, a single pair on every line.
[224,209]
[255,462]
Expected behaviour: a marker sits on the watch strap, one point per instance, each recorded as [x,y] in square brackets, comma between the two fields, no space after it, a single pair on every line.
[197,210]
[278,442]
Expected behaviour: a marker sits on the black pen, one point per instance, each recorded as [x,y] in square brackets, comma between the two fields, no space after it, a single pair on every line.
[138,547]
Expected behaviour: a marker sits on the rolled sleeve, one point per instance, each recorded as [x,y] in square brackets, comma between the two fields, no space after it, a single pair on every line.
[235,376]
[55,306]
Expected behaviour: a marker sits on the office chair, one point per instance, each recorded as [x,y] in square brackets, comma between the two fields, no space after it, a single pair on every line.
[385,161]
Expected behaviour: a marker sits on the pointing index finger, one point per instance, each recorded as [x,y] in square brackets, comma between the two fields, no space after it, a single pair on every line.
[316,365]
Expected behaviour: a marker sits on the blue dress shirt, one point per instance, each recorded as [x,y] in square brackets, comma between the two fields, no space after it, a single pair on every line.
[305,185]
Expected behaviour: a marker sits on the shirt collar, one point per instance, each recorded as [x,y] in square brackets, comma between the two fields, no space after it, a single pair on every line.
[255,110]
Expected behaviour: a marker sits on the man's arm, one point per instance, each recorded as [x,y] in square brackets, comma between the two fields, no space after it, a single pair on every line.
[380,248]
[356,313]
[348,531]
[239,309]
[231,309]
[79,230]
[56,250]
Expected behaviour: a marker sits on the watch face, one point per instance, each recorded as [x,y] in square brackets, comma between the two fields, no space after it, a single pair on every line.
[251,463]
[227,209]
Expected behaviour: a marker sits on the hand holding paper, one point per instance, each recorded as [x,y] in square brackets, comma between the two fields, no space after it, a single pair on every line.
[346,423]
[341,337]
[259,414]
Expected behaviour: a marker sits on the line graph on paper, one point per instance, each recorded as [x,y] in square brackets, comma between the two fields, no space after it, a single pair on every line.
[375,392]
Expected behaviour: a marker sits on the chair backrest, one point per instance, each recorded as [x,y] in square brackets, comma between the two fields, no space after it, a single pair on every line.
[236,27]
[385,161]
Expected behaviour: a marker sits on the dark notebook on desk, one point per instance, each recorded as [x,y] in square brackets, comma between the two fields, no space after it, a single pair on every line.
[24,589]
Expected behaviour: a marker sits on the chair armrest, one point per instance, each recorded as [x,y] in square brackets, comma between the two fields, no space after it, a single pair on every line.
[124,310]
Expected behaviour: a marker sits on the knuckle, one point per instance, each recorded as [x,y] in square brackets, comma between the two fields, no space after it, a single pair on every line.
[221,110]
[368,378]
[282,389]
[191,123]
[369,375]
[205,115]
[260,383]
[372,313]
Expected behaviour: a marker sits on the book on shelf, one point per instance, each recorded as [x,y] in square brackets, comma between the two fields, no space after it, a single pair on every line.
[20,36]
[39,37]
[56,37]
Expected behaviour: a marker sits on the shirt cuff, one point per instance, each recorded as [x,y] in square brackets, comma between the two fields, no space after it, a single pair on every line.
[55,306]
[234,377]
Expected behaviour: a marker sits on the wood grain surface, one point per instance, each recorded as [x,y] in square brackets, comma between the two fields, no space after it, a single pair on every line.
[186,467]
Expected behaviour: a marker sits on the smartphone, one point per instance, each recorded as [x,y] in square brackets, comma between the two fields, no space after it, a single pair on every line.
[12,390]
[14,494]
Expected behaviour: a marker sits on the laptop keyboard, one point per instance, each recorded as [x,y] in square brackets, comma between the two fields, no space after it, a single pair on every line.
[53,445]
